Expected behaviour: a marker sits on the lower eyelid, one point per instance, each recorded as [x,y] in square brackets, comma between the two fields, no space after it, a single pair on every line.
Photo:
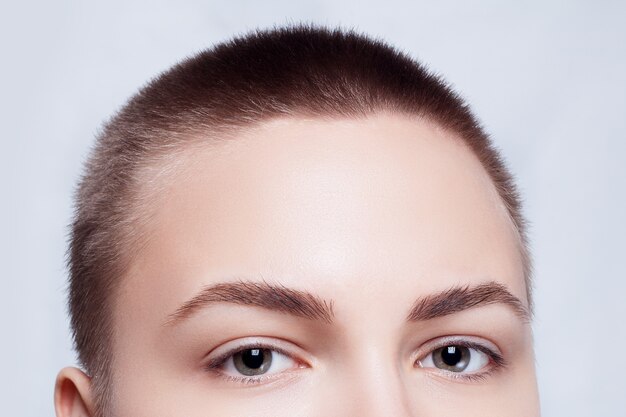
[243,381]
[468,378]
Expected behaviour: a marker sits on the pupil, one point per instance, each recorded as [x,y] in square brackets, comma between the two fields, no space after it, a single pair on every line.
[253,358]
[451,355]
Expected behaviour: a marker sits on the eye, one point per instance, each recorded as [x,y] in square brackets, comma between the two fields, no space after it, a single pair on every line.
[253,363]
[257,361]
[463,359]
[456,358]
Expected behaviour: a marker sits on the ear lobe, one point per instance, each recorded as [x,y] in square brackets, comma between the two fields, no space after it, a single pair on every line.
[73,396]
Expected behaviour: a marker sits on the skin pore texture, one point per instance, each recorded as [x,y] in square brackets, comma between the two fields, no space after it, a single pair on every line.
[360,218]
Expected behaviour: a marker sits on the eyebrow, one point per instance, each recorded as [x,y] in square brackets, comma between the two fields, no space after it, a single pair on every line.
[460,298]
[258,294]
[277,297]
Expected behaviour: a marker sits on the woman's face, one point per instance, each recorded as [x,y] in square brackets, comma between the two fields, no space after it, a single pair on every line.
[327,268]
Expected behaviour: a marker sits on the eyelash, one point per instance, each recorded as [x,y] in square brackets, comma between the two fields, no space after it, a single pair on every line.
[215,364]
[497,362]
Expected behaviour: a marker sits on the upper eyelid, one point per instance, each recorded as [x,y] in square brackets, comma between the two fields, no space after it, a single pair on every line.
[485,346]
[278,345]
[242,342]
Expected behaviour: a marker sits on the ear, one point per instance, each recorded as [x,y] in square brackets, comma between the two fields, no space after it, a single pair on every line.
[73,396]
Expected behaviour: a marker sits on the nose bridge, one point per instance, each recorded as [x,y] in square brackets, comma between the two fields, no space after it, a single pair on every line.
[375,385]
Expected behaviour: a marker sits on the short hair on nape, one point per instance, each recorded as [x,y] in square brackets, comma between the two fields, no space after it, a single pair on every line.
[299,70]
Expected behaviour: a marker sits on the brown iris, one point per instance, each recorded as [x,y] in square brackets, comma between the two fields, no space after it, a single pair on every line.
[452,358]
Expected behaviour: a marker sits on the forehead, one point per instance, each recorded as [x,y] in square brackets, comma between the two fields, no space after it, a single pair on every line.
[327,205]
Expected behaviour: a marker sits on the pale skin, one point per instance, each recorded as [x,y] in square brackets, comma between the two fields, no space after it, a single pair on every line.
[368,215]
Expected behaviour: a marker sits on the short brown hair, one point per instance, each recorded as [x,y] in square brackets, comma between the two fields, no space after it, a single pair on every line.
[282,72]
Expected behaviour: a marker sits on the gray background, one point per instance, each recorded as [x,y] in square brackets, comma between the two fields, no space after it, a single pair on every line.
[547,79]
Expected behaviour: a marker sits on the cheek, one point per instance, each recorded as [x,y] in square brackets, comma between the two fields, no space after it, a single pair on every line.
[155,395]
[511,393]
